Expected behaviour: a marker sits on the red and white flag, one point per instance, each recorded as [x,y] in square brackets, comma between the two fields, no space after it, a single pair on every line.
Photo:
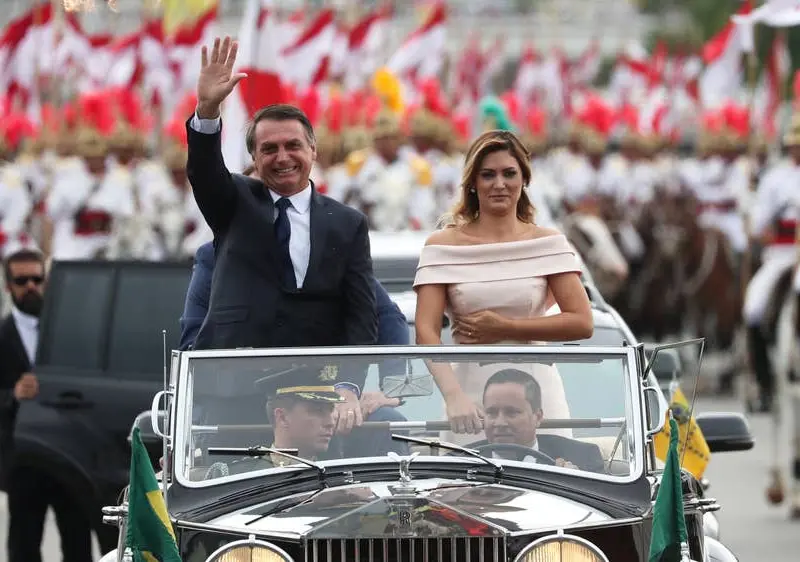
[365,48]
[774,13]
[259,58]
[306,61]
[722,54]
[422,54]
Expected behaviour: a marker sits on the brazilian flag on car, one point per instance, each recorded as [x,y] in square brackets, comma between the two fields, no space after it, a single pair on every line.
[150,536]
[669,526]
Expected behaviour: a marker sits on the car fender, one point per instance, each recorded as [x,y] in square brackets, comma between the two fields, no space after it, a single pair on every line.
[110,556]
[711,526]
[718,552]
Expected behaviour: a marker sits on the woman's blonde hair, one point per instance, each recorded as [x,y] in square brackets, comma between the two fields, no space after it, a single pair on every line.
[467,209]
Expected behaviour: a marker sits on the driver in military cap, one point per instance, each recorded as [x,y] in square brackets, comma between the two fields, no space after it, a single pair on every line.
[300,407]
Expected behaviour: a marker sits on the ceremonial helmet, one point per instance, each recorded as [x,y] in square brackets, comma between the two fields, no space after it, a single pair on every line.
[125,137]
[421,123]
[175,156]
[792,135]
[386,124]
[592,141]
[89,143]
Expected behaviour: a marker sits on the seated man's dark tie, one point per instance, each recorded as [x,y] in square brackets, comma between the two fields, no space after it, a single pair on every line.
[283,231]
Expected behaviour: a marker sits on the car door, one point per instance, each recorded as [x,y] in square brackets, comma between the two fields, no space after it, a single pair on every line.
[102,358]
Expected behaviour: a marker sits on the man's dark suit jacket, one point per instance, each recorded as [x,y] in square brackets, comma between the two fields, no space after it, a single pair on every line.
[13,363]
[392,323]
[248,306]
[586,456]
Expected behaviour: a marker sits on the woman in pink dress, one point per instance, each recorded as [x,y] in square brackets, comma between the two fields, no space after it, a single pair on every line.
[494,272]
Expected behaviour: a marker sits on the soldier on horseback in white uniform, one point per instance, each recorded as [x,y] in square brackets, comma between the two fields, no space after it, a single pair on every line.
[774,222]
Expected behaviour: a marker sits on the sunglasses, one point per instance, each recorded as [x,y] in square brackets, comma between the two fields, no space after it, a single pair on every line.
[23,280]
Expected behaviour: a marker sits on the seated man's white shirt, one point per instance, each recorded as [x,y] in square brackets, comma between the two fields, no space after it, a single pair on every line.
[526,458]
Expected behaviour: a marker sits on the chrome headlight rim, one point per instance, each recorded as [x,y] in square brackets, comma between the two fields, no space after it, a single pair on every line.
[248,542]
[560,536]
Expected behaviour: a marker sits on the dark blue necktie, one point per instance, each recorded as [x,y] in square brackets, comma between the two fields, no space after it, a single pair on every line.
[283,231]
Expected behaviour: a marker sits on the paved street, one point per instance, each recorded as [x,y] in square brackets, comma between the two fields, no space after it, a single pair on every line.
[756,531]
[753,529]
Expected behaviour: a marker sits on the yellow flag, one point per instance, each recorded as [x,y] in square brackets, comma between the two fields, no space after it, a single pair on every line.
[177,13]
[697,454]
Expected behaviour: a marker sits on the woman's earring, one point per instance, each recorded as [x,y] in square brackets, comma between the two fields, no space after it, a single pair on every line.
[472,190]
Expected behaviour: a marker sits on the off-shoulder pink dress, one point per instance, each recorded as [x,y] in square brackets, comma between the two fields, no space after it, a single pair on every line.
[509,278]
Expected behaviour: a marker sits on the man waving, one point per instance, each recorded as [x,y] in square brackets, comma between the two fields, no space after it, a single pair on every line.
[293,267]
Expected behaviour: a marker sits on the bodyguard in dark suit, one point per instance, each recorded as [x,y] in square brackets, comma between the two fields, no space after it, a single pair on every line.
[293,267]
[512,402]
[30,490]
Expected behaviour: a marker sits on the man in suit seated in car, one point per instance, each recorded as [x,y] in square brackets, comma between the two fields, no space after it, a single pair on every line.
[512,402]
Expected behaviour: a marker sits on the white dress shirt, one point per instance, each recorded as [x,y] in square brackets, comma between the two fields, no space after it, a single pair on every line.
[526,458]
[299,212]
[28,328]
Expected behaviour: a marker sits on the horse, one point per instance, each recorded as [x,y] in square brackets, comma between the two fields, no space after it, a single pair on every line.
[786,366]
[650,303]
[604,260]
[707,278]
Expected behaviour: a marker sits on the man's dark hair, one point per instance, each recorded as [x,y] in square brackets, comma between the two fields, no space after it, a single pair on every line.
[533,392]
[278,112]
[286,402]
[22,256]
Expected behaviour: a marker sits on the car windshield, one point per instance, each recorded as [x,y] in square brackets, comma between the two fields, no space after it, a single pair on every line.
[544,409]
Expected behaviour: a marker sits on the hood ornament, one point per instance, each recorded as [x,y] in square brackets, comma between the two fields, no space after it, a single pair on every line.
[404,486]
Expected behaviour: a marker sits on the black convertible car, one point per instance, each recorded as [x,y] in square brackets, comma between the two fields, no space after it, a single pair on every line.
[564,470]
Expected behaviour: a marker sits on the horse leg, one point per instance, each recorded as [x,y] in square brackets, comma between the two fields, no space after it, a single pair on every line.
[758,350]
[794,411]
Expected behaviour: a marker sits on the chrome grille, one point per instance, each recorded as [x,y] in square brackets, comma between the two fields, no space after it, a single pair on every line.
[455,549]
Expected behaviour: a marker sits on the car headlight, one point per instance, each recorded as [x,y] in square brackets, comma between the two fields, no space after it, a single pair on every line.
[250,550]
[561,548]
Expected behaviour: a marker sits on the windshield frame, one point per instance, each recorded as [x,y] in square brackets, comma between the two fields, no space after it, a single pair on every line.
[181,423]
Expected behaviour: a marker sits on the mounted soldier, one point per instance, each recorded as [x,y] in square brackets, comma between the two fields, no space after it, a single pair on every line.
[774,223]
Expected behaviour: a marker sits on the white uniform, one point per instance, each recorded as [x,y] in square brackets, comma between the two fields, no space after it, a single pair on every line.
[580,179]
[83,208]
[173,213]
[717,191]
[338,181]
[446,177]
[133,235]
[777,201]
[544,192]
[399,194]
[15,205]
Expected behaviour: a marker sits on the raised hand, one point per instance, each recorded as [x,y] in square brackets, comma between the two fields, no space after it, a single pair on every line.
[217,79]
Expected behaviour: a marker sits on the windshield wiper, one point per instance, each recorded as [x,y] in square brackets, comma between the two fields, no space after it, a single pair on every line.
[261,451]
[437,444]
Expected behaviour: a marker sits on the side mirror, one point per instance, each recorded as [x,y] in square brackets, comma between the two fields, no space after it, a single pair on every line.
[656,416]
[725,431]
[151,440]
